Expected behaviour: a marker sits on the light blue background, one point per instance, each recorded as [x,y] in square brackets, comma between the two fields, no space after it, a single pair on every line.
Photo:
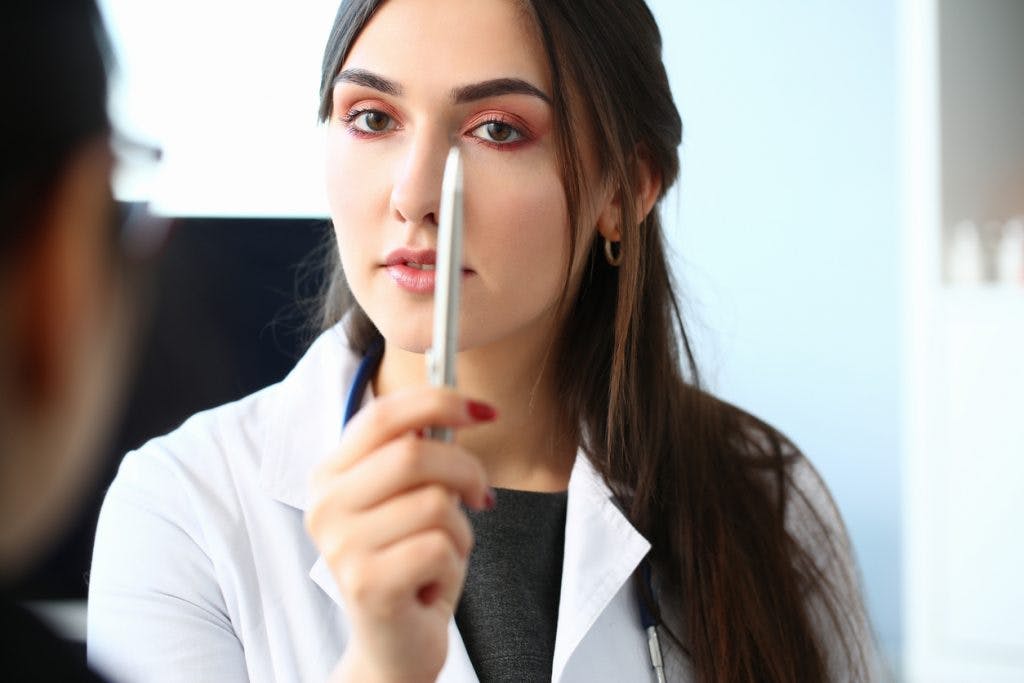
[785,228]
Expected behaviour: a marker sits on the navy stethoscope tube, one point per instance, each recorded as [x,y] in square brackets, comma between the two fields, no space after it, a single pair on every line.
[365,372]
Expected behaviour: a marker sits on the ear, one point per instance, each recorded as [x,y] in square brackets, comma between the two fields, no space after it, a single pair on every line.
[38,306]
[645,194]
[648,183]
[54,286]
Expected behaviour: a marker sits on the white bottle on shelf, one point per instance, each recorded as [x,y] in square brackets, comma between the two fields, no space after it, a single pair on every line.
[1011,253]
[964,254]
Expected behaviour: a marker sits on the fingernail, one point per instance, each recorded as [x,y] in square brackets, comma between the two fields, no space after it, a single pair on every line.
[490,500]
[429,593]
[481,412]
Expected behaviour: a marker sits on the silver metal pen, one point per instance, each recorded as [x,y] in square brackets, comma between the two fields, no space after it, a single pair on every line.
[447,282]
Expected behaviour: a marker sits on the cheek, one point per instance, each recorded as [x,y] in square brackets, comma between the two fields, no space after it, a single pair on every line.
[356,194]
[345,183]
[524,227]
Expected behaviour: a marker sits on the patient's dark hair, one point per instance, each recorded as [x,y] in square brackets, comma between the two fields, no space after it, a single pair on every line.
[54,57]
[709,485]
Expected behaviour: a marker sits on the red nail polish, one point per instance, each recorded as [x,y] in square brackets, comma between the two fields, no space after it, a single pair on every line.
[490,500]
[481,411]
[429,593]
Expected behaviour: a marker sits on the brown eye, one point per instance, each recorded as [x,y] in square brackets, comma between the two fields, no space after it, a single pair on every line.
[498,133]
[377,121]
[370,121]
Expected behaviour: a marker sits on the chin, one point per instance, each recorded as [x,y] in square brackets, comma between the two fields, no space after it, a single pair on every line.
[415,346]
[409,334]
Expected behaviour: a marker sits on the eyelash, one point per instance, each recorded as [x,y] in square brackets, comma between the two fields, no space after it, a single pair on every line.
[350,118]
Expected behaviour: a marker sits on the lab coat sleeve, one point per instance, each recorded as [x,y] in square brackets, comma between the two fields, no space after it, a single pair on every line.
[156,611]
[814,521]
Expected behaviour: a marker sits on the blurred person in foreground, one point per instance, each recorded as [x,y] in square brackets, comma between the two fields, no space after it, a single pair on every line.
[63,304]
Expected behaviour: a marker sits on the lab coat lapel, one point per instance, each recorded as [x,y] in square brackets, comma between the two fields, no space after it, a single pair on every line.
[602,549]
[304,415]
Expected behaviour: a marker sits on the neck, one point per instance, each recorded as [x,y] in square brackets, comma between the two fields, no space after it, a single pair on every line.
[526,448]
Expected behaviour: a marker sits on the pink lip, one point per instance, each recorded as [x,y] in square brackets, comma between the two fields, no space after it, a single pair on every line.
[401,266]
[423,257]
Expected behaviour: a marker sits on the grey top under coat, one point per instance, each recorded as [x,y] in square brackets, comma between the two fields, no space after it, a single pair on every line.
[509,608]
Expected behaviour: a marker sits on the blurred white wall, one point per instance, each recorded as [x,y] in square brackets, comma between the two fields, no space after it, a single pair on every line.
[230,90]
[785,225]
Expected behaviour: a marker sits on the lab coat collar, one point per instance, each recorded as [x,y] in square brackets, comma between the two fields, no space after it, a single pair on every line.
[602,548]
[305,411]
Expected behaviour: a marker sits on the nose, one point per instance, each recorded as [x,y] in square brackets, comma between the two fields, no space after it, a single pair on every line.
[416,193]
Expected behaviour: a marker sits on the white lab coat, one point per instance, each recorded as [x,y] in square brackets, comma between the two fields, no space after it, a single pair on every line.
[203,571]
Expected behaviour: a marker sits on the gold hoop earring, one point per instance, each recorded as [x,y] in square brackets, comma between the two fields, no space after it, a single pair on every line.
[614,260]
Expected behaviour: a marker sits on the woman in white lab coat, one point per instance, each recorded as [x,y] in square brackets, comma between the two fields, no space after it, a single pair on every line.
[261,542]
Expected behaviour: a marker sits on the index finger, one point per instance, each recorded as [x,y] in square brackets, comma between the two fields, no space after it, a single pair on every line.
[401,412]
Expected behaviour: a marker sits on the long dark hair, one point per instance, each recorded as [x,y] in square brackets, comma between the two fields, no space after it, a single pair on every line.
[712,487]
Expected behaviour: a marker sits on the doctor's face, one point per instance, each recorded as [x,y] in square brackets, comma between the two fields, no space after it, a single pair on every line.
[424,75]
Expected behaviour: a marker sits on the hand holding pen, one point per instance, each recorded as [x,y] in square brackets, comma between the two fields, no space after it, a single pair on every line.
[386,505]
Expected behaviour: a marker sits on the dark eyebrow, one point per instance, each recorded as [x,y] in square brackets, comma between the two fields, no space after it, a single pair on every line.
[461,95]
[496,87]
[370,80]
